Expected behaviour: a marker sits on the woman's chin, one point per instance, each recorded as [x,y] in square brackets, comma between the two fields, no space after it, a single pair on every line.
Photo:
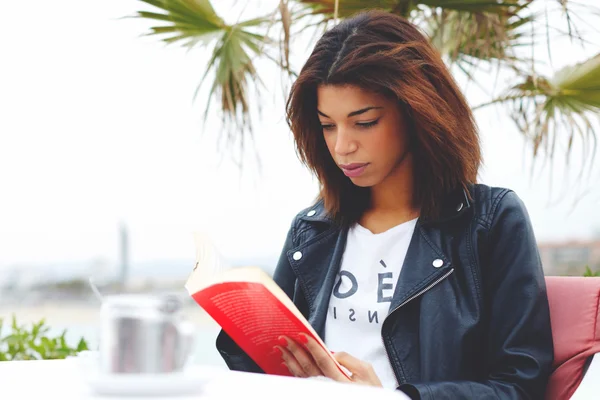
[362,181]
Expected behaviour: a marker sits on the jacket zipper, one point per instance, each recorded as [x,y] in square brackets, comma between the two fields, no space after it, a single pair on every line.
[441,278]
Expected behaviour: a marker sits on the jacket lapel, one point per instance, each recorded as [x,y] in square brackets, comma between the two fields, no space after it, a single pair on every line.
[424,267]
[316,271]
[425,261]
[424,264]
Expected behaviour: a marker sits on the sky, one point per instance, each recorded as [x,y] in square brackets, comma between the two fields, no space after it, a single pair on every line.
[98,127]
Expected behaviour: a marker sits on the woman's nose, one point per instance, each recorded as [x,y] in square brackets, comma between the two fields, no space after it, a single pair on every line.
[344,143]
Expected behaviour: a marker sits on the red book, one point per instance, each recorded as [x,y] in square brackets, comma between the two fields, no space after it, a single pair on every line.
[254,312]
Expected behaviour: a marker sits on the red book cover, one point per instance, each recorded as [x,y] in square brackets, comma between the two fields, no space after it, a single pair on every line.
[254,312]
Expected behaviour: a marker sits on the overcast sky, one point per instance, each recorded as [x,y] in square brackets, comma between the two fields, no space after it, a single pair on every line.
[98,125]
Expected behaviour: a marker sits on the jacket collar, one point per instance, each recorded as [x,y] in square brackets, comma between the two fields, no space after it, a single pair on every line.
[454,205]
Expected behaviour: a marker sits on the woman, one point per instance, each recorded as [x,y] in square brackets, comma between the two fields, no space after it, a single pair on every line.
[417,277]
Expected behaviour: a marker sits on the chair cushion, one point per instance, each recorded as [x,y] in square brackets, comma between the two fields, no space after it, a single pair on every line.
[574,313]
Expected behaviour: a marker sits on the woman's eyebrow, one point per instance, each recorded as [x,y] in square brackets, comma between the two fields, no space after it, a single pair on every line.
[354,113]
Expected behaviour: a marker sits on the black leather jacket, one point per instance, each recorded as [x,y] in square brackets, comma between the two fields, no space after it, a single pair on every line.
[475,327]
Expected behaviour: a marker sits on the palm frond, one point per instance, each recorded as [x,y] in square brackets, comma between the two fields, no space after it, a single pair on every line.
[347,8]
[472,6]
[550,110]
[485,36]
[405,8]
[193,23]
[476,29]
[467,32]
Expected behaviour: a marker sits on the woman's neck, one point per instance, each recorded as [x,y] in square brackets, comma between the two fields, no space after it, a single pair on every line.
[395,192]
[392,200]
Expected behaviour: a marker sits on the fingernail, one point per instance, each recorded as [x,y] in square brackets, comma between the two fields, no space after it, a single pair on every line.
[302,338]
[281,340]
[277,351]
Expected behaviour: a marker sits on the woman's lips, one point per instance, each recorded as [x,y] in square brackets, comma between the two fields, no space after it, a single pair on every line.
[353,170]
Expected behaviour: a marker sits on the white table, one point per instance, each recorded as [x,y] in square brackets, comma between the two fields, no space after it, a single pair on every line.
[60,379]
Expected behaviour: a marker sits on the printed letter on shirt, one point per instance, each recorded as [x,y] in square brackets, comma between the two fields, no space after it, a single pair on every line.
[384,286]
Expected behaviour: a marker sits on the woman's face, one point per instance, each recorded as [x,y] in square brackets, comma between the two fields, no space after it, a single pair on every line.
[365,132]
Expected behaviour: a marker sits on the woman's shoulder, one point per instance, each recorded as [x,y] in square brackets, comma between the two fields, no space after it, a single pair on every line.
[316,212]
[311,221]
[492,203]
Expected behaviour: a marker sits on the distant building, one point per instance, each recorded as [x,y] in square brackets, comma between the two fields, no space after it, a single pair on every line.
[570,258]
[123,255]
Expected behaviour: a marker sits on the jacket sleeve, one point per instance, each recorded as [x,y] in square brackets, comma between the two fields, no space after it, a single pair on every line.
[519,350]
[233,355]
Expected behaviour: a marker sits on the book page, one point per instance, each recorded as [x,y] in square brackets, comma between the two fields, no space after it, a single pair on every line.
[209,262]
[259,318]
[196,282]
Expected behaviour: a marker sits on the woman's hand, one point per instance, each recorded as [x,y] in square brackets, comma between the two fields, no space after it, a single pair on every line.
[310,359]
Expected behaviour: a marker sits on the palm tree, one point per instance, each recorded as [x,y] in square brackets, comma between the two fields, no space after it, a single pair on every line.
[472,36]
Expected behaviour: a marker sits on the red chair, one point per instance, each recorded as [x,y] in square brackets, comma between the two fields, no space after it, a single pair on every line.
[575,318]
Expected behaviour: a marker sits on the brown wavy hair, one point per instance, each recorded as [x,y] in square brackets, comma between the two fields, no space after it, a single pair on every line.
[385,53]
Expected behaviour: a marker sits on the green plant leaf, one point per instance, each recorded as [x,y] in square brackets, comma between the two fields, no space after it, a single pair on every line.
[62,341]
[589,273]
[14,325]
[82,345]
[13,340]
[37,329]
[48,344]
[62,353]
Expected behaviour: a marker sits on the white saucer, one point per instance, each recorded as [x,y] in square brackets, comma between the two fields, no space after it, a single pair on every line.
[172,384]
[168,384]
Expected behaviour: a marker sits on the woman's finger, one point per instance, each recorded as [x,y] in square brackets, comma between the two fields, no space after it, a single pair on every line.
[361,371]
[352,363]
[291,363]
[302,357]
[323,360]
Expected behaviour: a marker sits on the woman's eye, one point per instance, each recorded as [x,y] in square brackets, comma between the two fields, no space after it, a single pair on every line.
[327,127]
[368,124]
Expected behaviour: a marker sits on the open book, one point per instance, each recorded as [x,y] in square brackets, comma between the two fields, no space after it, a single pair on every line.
[254,311]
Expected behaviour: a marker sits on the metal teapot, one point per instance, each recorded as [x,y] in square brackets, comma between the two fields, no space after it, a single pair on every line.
[144,334]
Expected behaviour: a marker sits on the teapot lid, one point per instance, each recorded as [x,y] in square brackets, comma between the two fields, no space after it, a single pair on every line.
[165,303]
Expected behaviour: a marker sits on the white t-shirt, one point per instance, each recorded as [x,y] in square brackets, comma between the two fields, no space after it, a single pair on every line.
[363,292]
